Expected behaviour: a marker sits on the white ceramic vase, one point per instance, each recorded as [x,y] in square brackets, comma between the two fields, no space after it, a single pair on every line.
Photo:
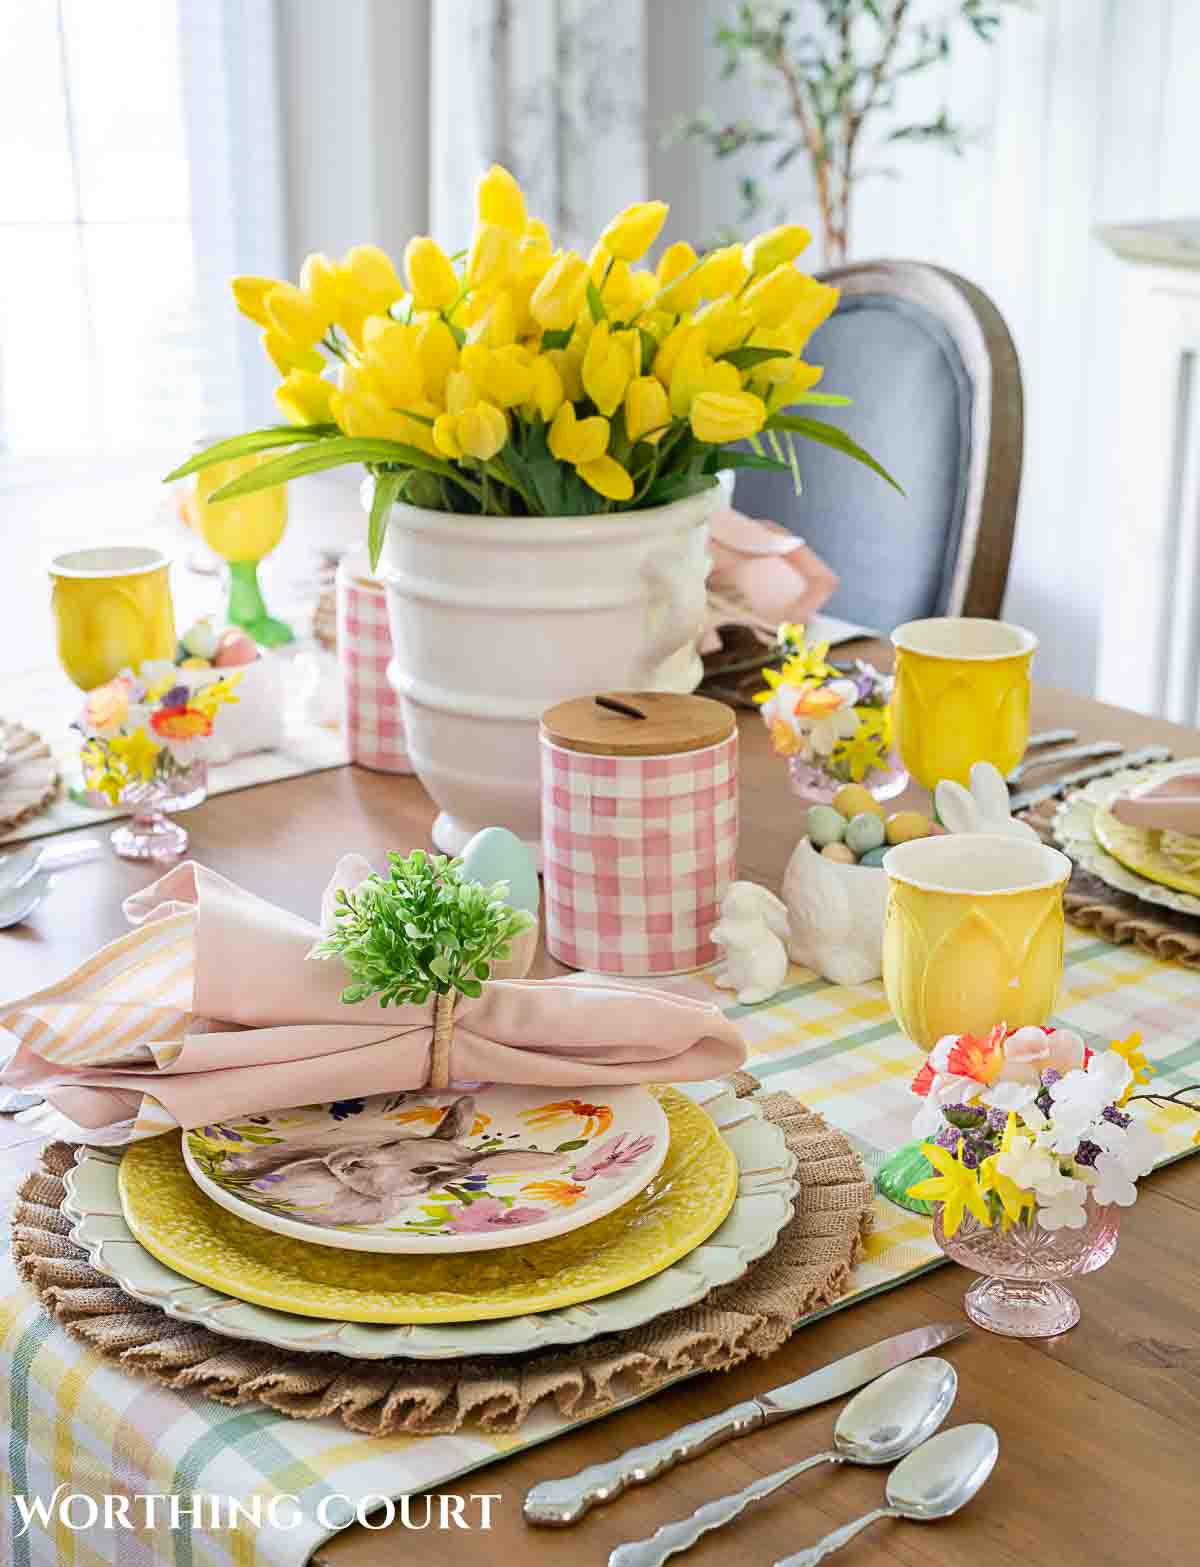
[494,619]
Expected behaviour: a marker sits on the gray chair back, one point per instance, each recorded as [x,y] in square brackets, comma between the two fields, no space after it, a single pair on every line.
[936,389]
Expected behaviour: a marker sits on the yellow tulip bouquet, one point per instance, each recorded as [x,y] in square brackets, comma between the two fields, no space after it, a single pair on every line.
[517,380]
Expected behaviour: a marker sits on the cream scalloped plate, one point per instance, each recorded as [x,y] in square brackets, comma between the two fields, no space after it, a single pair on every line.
[428,1172]
[1129,859]
[719,1204]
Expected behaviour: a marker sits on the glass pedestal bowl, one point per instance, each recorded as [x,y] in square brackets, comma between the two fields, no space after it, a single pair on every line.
[1021,1293]
[151,834]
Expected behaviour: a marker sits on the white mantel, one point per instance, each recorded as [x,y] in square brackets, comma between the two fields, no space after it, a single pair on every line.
[1149,644]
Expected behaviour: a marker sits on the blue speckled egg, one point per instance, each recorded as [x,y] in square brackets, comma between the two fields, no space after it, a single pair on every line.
[495,854]
[825,825]
[875,856]
[864,832]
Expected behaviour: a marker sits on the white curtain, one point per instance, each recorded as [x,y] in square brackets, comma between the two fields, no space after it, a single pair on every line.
[553,89]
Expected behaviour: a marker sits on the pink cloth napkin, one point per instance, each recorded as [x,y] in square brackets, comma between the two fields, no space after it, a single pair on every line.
[211,1008]
[761,575]
[1170,806]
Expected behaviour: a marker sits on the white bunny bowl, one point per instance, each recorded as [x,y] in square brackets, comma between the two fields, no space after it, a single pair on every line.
[835,916]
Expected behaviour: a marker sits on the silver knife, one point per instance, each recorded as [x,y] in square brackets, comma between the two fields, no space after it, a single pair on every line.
[1047,791]
[561,1502]
[1071,753]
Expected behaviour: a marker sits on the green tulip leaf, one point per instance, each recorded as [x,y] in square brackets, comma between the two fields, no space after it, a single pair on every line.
[747,358]
[830,435]
[256,441]
[387,487]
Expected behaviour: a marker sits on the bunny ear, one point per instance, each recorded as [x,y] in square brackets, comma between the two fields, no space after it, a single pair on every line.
[457,1121]
[990,791]
[956,807]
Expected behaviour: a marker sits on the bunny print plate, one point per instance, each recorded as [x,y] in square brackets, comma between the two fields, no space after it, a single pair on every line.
[434,1172]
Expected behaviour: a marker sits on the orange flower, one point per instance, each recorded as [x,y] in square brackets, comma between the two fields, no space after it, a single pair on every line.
[108,704]
[981,1059]
[180,723]
[818,702]
[562,1192]
[784,739]
[596,1118]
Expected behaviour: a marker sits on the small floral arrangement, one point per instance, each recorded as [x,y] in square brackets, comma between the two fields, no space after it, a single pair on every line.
[149,726]
[816,713]
[1025,1124]
[515,379]
[422,930]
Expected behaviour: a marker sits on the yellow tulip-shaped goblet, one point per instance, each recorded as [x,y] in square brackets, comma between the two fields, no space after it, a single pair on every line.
[961,696]
[973,936]
[112,610]
[242,531]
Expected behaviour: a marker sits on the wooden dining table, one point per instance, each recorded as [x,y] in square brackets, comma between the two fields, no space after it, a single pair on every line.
[1099,1429]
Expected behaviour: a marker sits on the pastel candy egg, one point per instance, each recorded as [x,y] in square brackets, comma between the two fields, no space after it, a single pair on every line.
[875,856]
[903,826]
[825,825]
[864,831]
[495,854]
[852,800]
[201,640]
[235,647]
[838,852]
[194,663]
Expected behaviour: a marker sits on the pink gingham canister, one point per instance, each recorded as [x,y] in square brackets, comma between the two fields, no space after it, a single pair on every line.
[639,829]
[371,709]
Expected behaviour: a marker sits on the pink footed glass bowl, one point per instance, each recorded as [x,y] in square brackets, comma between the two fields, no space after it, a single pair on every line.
[1021,1293]
[814,784]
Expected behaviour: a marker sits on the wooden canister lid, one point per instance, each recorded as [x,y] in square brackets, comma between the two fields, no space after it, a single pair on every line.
[672,724]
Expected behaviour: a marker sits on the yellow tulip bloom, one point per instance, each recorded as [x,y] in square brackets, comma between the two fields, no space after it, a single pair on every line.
[293,314]
[368,278]
[647,409]
[304,397]
[817,302]
[479,431]
[438,352]
[536,235]
[727,324]
[577,440]
[567,363]
[427,270]
[632,232]
[607,369]
[287,356]
[802,379]
[557,298]
[498,200]
[774,297]
[672,347]
[393,359]
[723,272]
[675,291]
[318,279]
[496,326]
[718,417]
[547,395]
[250,294]
[770,249]
[606,476]
[461,391]
[492,255]
[687,376]
[504,374]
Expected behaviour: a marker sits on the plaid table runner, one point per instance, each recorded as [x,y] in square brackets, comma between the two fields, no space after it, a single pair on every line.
[74,1422]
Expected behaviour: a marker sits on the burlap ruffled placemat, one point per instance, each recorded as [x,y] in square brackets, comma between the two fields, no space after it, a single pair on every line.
[1119,917]
[807,1269]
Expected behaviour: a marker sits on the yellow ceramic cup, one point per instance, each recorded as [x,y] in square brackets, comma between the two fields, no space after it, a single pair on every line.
[112,610]
[973,934]
[961,696]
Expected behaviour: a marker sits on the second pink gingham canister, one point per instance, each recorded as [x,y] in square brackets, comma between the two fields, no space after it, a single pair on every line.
[639,830]
[374,727]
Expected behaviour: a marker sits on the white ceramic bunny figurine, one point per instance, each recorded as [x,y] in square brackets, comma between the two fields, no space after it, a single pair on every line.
[751,933]
[982,808]
[836,916]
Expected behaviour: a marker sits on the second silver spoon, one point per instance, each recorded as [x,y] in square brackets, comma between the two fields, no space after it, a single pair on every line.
[890,1417]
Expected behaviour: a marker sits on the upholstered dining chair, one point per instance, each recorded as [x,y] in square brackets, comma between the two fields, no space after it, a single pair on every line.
[936,389]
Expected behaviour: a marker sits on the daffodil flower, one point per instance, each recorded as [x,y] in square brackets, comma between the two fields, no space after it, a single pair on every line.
[955,1186]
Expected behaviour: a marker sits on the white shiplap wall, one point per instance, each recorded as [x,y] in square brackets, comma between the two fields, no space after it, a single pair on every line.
[1086,112]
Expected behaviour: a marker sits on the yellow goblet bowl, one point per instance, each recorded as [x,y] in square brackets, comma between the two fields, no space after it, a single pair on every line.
[961,696]
[973,934]
[112,610]
[244,529]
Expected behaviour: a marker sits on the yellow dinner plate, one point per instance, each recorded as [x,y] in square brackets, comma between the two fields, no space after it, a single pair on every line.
[675,1213]
[1144,850]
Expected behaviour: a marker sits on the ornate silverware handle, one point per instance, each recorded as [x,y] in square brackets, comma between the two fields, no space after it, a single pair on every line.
[561,1502]
[683,1534]
[834,1541]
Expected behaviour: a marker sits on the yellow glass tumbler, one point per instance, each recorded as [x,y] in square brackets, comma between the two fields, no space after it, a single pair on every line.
[112,610]
[973,934]
[242,532]
[961,696]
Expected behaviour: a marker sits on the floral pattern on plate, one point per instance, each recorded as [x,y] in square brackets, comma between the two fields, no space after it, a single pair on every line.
[425,1172]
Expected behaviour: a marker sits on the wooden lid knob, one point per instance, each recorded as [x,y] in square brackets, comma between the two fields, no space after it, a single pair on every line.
[670,724]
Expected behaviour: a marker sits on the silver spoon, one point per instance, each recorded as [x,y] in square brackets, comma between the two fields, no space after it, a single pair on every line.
[19,902]
[19,865]
[886,1420]
[937,1479]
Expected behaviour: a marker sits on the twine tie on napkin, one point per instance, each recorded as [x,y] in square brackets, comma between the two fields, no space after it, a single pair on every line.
[211,1009]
